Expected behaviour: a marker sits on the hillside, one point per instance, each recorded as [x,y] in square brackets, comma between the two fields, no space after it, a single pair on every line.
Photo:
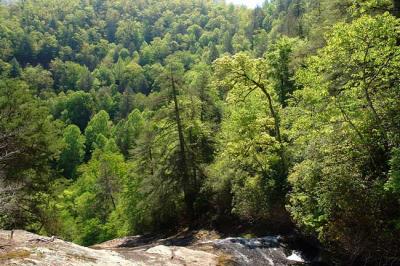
[122,118]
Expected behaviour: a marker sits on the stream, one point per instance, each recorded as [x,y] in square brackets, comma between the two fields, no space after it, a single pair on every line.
[235,251]
[268,250]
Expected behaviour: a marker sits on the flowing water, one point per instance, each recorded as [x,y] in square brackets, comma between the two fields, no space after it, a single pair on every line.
[270,250]
[232,251]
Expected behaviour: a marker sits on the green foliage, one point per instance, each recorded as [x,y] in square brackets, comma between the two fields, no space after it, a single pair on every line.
[343,135]
[15,70]
[252,158]
[98,127]
[127,132]
[88,206]
[129,33]
[279,58]
[39,79]
[218,111]
[29,142]
[71,76]
[73,108]
[248,158]
[393,183]
[73,153]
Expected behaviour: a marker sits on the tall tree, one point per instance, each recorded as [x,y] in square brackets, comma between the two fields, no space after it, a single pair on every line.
[250,75]
[98,127]
[279,57]
[346,139]
[89,204]
[175,70]
[29,142]
[73,152]
[245,76]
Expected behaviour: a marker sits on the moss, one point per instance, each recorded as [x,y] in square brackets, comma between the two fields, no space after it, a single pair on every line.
[225,260]
[248,235]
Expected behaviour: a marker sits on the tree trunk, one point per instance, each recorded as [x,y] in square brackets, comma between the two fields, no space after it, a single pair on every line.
[396,8]
[276,125]
[271,108]
[188,196]
[108,186]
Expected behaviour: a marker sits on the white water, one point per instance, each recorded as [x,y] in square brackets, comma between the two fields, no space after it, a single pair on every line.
[259,251]
[295,257]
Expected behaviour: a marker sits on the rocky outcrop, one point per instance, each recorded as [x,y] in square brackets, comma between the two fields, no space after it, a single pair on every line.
[189,248]
[29,249]
[206,248]
[182,256]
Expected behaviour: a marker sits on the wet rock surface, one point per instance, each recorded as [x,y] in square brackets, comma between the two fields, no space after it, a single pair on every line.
[259,251]
[189,248]
[270,250]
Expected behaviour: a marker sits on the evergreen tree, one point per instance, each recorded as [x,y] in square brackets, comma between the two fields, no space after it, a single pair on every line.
[73,153]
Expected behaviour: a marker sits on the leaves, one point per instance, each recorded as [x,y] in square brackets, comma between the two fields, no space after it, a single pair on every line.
[342,135]
[196,112]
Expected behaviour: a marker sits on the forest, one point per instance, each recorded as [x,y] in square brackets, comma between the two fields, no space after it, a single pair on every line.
[124,117]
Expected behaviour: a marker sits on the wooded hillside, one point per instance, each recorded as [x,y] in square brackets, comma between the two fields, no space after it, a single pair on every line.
[125,117]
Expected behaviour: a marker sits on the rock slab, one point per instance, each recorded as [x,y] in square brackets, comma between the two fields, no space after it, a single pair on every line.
[29,249]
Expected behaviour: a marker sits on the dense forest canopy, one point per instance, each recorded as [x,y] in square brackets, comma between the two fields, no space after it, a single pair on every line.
[124,117]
